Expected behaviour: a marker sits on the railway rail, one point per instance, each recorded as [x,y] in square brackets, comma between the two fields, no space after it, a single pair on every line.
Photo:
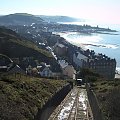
[74,107]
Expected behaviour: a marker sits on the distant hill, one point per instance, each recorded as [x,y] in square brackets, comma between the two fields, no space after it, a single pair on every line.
[60,19]
[13,45]
[28,19]
[19,19]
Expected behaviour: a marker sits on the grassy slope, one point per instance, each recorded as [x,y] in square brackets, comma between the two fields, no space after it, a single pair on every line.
[108,94]
[21,96]
[10,37]
[20,19]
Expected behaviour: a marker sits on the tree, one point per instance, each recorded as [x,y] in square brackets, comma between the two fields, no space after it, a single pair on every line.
[88,74]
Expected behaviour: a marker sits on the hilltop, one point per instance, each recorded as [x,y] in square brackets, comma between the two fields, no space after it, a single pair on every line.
[28,19]
[19,19]
[60,18]
[50,23]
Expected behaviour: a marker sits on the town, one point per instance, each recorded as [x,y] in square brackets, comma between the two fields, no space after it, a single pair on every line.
[70,59]
[41,73]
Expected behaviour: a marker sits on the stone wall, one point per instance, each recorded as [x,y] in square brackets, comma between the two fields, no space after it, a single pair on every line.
[97,114]
[45,112]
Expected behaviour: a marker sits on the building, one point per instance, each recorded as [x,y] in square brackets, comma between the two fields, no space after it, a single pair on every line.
[60,49]
[99,63]
[44,71]
[68,71]
[49,70]
[103,65]
[16,69]
[29,70]
[5,63]
[79,60]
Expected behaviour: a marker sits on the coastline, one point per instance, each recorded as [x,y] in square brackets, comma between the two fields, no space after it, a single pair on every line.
[77,39]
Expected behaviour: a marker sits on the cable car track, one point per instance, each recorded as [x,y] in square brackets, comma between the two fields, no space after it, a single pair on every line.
[74,107]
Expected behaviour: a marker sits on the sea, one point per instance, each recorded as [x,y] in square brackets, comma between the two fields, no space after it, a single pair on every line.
[107,44]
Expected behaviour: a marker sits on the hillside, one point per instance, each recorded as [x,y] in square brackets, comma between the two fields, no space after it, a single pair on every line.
[21,96]
[108,95]
[13,45]
[19,19]
[59,18]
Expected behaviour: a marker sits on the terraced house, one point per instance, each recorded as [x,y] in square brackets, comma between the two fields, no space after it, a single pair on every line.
[60,49]
[103,65]
[99,63]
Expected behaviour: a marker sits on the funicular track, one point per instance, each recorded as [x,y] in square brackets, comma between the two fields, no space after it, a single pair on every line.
[74,107]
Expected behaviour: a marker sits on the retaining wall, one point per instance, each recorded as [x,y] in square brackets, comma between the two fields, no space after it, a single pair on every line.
[45,112]
[97,114]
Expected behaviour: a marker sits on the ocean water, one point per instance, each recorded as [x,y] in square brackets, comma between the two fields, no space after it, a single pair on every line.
[101,43]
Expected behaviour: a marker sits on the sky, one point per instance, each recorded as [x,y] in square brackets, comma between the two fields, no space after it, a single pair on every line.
[106,11]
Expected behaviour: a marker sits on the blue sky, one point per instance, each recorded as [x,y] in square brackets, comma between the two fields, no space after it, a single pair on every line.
[101,10]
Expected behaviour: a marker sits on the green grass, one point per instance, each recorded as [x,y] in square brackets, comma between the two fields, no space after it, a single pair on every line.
[21,96]
[28,44]
[11,36]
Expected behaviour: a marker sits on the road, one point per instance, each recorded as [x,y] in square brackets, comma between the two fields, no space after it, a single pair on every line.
[75,106]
